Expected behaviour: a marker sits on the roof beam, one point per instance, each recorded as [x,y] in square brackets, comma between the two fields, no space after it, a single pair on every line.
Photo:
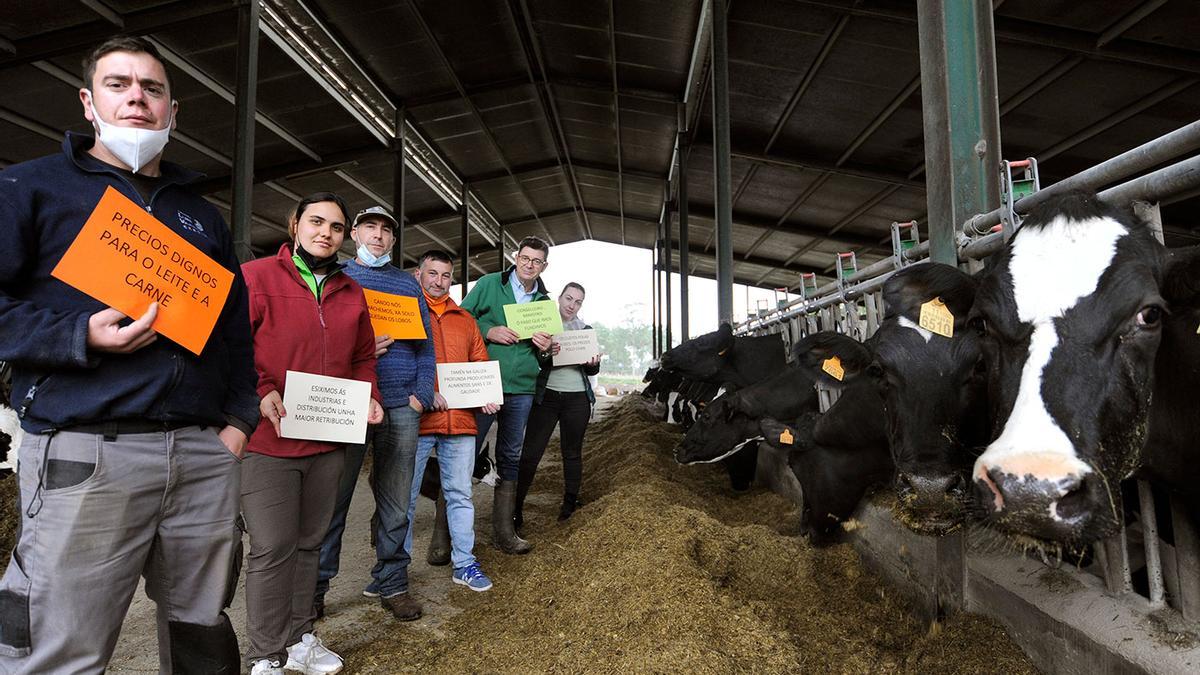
[1020,31]
[522,170]
[296,169]
[501,86]
[897,179]
[75,38]
[705,212]
[523,23]
[831,38]
[178,61]
[440,53]
[766,262]
[104,11]
[616,103]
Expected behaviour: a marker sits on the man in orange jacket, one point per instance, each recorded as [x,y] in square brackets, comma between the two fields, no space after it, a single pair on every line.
[456,339]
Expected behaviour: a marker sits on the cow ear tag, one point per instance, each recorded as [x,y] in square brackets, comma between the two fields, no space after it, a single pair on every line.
[936,318]
[833,366]
[722,352]
[785,436]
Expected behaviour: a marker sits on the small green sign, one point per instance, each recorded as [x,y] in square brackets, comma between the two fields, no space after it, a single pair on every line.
[533,317]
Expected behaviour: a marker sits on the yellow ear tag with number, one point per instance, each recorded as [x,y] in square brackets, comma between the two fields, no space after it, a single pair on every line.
[833,366]
[936,318]
[785,436]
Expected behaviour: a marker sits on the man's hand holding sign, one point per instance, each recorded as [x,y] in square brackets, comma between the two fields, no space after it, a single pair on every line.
[127,259]
[536,321]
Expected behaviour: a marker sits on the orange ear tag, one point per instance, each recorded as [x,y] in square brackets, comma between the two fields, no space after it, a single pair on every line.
[936,318]
[833,366]
[785,436]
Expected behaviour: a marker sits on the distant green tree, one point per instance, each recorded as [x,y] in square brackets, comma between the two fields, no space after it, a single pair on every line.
[627,347]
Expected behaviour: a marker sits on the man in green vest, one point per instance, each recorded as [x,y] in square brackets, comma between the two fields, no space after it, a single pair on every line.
[520,363]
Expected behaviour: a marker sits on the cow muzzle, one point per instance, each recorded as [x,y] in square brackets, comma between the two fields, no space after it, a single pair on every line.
[931,502]
[1046,496]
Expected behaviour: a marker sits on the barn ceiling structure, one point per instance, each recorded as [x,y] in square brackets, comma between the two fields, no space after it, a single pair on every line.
[572,120]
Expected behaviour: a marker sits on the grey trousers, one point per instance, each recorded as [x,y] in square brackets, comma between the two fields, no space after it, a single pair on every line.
[287,504]
[95,515]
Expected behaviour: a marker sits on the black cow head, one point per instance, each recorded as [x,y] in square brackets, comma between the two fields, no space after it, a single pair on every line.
[701,357]
[1072,315]
[934,392]
[715,435]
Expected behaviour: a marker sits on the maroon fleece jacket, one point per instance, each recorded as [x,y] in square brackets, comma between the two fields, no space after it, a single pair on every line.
[293,332]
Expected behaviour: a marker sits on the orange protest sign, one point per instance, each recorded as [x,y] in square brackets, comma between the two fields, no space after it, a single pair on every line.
[396,316]
[127,259]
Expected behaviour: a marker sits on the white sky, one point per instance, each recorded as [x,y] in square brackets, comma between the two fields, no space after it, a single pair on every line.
[618,283]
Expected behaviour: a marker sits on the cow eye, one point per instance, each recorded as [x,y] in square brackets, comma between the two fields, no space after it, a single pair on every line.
[1149,317]
[875,370]
[979,325]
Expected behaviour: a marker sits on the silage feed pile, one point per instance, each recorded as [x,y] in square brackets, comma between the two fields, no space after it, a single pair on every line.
[9,517]
[664,569]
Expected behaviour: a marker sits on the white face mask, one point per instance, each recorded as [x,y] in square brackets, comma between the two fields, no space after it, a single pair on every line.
[370,259]
[131,145]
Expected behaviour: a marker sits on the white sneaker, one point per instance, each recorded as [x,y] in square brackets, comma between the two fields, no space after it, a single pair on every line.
[266,667]
[311,657]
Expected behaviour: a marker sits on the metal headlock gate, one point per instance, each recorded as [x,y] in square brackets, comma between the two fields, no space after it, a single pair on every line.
[1136,566]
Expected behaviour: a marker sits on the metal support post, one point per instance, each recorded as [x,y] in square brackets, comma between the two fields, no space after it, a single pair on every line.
[667,274]
[962,142]
[654,299]
[465,243]
[500,248]
[683,239]
[723,198]
[961,113]
[243,135]
[398,188]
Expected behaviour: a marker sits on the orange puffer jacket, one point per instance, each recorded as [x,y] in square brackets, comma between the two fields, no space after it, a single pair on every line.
[456,339]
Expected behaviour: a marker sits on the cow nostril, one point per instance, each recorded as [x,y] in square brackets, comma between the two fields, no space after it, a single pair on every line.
[904,484]
[1075,502]
[956,485]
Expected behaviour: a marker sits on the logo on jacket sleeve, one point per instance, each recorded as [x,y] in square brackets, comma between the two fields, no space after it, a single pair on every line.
[190,223]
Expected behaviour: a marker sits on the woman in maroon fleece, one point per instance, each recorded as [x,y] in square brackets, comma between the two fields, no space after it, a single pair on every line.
[306,315]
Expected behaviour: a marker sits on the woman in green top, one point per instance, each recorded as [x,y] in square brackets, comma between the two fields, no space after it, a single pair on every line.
[563,397]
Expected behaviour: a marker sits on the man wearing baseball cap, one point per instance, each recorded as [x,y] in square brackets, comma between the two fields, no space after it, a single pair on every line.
[406,371]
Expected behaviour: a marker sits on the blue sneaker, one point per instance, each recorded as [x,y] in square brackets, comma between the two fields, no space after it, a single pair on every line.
[372,590]
[472,577]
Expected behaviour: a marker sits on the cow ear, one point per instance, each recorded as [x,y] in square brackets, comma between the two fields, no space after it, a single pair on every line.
[831,358]
[911,287]
[1181,280]
[777,434]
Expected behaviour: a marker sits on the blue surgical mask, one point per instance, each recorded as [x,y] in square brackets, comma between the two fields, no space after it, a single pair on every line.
[367,258]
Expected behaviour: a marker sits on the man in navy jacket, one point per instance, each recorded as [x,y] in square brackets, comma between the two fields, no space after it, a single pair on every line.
[130,463]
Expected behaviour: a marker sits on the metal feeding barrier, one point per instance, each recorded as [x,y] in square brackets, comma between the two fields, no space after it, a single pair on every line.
[1156,555]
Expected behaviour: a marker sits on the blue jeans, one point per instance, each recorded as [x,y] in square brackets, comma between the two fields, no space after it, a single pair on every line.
[456,462]
[509,436]
[394,444]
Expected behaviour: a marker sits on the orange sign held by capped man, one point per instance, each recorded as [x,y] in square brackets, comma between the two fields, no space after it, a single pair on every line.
[396,316]
[127,259]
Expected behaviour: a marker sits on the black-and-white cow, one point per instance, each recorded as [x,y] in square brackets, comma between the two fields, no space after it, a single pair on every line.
[720,358]
[10,425]
[910,394]
[1090,332]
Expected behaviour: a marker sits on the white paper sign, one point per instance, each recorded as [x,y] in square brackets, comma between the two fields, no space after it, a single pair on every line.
[321,408]
[470,385]
[576,346]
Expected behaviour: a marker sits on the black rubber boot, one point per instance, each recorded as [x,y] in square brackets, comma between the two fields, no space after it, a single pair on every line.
[503,534]
[570,503]
[439,543]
